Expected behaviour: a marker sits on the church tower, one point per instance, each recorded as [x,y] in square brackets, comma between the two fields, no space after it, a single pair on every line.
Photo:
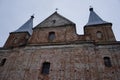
[98,29]
[20,36]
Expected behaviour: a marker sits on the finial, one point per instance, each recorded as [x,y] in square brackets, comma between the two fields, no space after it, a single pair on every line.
[91,8]
[32,16]
[56,9]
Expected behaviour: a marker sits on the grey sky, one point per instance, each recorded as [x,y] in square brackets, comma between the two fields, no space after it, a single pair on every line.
[14,13]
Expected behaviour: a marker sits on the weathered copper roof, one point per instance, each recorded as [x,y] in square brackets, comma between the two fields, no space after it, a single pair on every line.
[54,20]
[94,19]
[26,27]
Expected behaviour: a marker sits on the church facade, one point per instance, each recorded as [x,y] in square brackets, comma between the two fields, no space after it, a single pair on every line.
[54,51]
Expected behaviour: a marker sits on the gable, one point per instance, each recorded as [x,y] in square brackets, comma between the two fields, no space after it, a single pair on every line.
[54,20]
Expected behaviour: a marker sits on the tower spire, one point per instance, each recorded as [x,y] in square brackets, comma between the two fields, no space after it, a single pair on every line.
[26,27]
[94,19]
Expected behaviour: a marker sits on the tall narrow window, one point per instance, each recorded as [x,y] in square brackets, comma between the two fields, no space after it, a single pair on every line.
[107,62]
[51,36]
[99,34]
[45,68]
[3,62]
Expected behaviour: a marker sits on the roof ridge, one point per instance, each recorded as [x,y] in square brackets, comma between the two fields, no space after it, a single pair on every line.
[65,18]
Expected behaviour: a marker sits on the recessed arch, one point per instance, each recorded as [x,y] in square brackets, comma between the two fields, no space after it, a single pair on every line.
[3,62]
[107,61]
[45,68]
[99,34]
[51,36]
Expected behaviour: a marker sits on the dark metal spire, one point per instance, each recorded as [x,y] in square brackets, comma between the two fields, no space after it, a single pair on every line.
[94,19]
[26,27]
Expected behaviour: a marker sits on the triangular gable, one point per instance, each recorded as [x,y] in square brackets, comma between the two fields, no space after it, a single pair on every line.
[54,20]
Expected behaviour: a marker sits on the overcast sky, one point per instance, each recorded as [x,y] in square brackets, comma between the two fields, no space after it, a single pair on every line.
[14,13]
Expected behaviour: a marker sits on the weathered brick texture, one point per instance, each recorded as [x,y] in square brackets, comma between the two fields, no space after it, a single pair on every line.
[67,62]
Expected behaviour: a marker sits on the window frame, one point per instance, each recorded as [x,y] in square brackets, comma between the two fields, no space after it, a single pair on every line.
[3,61]
[51,36]
[46,68]
[107,62]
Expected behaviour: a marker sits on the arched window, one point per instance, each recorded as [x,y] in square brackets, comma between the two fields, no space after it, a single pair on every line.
[51,36]
[99,34]
[107,62]
[3,62]
[45,68]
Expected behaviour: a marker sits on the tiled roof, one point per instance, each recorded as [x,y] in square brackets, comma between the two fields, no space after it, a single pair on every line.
[54,20]
[26,27]
[94,19]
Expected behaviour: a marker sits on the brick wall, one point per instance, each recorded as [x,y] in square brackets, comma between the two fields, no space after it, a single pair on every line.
[62,34]
[67,62]
[16,40]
